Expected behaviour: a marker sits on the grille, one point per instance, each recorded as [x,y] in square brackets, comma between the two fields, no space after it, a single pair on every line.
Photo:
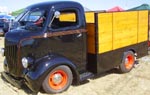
[11,57]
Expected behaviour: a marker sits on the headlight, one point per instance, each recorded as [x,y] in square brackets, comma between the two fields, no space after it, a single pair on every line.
[26,62]
[2,51]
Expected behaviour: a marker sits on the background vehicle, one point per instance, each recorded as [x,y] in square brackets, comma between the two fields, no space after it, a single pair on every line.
[56,44]
[5,20]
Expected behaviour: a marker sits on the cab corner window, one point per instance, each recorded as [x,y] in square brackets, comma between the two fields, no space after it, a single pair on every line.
[67,19]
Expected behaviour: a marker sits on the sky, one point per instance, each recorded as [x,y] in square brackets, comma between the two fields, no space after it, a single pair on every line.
[13,5]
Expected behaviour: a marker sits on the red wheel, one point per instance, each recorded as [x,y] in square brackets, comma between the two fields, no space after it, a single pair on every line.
[127,62]
[58,80]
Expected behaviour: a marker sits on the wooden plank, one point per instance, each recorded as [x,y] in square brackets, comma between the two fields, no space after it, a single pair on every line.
[143,26]
[124,29]
[89,17]
[105,41]
[91,38]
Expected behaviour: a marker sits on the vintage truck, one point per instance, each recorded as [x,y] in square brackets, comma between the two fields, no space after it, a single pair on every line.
[57,44]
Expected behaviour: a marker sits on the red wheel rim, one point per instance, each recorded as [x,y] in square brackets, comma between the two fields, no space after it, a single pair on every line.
[58,79]
[129,61]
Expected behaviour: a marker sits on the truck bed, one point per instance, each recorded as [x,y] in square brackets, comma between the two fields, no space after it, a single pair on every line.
[112,34]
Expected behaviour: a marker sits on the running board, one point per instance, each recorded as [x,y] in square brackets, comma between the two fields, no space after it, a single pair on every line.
[86,75]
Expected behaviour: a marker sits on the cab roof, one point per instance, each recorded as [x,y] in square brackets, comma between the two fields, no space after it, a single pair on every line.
[58,4]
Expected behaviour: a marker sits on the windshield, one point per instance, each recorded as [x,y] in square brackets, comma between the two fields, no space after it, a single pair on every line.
[31,19]
[19,16]
[33,16]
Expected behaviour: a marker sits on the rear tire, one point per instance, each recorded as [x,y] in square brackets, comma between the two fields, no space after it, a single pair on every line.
[58,80]
[127,62]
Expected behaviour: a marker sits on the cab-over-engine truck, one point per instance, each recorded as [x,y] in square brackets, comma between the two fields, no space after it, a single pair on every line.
[57,44]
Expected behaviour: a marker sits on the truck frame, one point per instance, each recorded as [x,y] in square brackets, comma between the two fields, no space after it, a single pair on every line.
[57,44]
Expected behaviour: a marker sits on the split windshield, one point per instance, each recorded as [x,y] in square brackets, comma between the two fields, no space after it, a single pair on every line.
[32,16]
[31,19]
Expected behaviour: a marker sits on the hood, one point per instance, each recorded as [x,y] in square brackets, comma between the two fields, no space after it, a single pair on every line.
[14,36]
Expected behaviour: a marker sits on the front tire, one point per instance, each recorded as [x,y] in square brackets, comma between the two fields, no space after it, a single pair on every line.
[58,80]
[127,62]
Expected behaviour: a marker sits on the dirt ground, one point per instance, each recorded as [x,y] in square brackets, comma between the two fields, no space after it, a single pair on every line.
[137,82]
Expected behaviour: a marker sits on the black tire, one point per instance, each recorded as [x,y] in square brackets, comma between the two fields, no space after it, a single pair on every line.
[127,62]
[53,85]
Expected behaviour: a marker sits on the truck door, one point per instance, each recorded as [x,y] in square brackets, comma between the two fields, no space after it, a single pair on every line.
[69,36]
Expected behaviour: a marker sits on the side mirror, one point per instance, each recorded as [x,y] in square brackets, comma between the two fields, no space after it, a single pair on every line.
[57,14]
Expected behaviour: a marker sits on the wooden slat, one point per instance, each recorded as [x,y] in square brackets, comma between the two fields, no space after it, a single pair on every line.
[105,32]
[143,26]
[89,17]
[91,38]
[124,29]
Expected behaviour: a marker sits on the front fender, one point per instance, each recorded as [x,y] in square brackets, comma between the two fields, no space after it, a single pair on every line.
[36,76]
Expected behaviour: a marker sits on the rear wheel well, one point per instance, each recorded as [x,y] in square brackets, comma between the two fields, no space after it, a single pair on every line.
[132,50]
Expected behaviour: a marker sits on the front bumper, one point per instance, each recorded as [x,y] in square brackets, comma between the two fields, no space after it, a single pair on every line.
[15,82]
[18,82]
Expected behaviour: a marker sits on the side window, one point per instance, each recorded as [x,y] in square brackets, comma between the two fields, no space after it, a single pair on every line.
[67,19]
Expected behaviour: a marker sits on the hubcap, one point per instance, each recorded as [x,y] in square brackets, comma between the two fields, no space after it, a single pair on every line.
[57,78]
[129,61]
[126,60]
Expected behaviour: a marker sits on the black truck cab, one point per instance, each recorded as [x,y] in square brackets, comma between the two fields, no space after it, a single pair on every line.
[43,42]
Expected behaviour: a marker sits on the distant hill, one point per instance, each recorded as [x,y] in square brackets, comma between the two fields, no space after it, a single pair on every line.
[15,13]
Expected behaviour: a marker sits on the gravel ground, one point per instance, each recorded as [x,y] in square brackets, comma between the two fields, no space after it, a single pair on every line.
[137,82]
